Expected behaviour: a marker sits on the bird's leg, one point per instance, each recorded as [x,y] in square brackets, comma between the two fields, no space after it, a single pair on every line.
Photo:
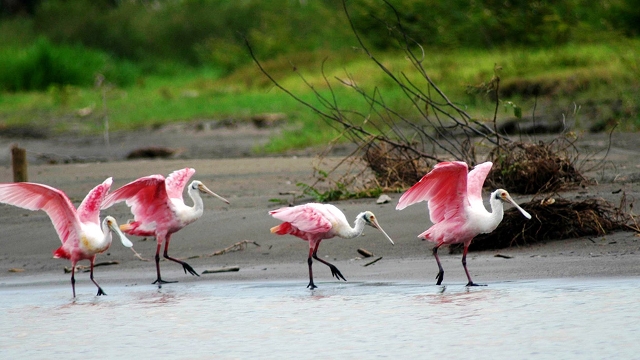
[186,267]
[464,265]
[440,275]
[159,280]
[310,262]
[100,291]
[73,278]
[334,270]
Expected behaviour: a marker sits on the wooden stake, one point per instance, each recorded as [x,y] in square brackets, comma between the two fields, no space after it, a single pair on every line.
[19,163]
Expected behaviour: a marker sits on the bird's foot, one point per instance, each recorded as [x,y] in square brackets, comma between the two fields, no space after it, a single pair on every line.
[100,292]
[471,283]
[159,281]
[335,272]
[311,285]
[439,277]
[188,268]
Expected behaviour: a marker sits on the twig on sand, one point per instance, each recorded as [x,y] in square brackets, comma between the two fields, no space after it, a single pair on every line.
[372,262]
[365,253]
[222,269]
[138,255]
[239,246]
[85,268]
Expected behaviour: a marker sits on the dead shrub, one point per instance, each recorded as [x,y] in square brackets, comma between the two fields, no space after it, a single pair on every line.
[532,168]
[394,167]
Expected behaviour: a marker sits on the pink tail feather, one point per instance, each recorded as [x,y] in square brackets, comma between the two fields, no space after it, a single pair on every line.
[61,253]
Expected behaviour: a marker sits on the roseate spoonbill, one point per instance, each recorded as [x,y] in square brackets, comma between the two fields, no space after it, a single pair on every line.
[159,210]
[80,231]
[454,198]
[315,222]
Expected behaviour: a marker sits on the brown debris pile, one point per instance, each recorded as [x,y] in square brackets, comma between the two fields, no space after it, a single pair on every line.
[528,168]
[394,167]
[552,219]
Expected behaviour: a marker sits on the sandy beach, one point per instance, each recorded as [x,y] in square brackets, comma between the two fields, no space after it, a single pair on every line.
[252,183]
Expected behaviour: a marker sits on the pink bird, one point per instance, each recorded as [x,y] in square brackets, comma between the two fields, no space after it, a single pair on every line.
[80,231]
[315,222]
[159,210]
[454,197]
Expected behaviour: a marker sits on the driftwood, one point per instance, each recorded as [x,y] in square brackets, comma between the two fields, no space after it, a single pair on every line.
[222,269]
[365,253]
[372,262]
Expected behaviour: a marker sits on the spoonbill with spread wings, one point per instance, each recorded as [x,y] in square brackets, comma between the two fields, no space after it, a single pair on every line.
[159,209]
[454,198]
[82,235]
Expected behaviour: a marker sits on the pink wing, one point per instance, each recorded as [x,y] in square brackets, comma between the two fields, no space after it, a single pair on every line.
[147,198]
[445,189]
[307,218]
[176,181]
[475,181]
[132,189]
[89,209]
[54,202]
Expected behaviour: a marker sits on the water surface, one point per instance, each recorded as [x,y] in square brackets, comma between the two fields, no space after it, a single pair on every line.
[569,319]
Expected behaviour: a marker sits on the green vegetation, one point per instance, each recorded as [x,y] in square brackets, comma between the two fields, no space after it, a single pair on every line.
[184,60]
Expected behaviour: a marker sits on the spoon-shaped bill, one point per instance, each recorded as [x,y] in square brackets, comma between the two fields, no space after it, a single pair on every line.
[376,225]
[113,226]
[526,214]
[205,189]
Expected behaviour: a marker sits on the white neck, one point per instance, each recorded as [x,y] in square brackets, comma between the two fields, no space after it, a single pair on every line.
[349,232]
[105,240]
[198,205]
[497,212]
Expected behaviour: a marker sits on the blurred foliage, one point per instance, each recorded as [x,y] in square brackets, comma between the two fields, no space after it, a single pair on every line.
[575,48]
[42,64]
[490,23]
[194,32]
[198,32]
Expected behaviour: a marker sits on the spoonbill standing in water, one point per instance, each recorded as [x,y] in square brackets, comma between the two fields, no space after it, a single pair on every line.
[159,210]
[80,231]
[315,222]
[454,198]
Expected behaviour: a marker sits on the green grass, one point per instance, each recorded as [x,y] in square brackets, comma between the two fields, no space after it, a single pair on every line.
[598,72]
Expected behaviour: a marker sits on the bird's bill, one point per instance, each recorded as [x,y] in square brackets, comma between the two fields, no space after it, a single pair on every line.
[116,229]
[526,214]
[375,224]
[205,189]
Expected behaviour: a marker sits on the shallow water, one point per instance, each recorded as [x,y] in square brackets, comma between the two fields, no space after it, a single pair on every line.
[579,319]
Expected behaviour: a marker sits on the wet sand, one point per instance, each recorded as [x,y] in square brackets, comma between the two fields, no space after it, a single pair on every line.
[252,183]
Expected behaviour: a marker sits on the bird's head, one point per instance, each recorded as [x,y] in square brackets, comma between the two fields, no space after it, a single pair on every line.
[504,196]
[112,226]
[371,220]
[197,185]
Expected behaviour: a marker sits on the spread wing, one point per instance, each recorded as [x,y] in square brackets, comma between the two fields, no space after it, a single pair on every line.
[54,202]
[444,188]
[176,181]
[89,209]
[143,188]
[475,181]
[308,218]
